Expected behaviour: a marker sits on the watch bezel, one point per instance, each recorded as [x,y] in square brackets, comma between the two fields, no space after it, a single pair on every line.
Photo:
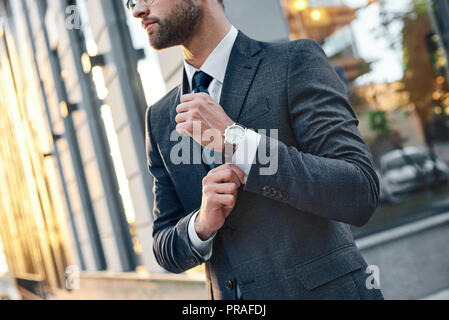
[226,136]
[230,129]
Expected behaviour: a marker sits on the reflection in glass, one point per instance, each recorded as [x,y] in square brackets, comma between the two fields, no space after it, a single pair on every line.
[390,57]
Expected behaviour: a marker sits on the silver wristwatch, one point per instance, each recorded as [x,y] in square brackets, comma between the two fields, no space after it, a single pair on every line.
[233,136]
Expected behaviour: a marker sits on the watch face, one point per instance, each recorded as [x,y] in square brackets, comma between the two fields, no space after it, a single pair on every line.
[235,135]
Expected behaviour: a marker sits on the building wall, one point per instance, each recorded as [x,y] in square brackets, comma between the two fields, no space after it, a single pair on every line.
[132,150]
[132,153]
[87,148]
[74,92]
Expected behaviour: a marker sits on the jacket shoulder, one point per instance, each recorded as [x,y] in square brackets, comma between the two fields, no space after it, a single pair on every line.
[305,47]
[290,48]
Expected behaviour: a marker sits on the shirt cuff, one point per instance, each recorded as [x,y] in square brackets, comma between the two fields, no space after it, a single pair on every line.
[203,248]
[246,151]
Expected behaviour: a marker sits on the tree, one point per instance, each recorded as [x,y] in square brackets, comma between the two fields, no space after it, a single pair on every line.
[419,75]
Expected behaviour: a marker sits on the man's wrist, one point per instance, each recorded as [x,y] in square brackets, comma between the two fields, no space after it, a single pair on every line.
[202,248]
[227,123]
[232,137]
[203,233]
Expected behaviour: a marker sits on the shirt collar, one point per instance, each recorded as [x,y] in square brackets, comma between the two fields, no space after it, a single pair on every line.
[217,62]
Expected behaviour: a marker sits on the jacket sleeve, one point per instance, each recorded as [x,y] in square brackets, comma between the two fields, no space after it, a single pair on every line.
[331,173]
[171,244]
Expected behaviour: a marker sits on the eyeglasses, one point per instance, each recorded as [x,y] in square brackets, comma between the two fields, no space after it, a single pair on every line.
[130,4]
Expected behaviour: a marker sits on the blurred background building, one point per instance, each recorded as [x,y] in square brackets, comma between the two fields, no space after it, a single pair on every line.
[76,197]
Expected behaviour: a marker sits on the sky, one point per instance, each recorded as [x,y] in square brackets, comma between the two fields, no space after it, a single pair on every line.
[388,65]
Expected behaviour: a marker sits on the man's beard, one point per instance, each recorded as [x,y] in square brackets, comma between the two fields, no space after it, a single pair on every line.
[177,28]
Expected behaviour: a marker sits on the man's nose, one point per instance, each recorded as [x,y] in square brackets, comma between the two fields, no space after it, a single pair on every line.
[141,10]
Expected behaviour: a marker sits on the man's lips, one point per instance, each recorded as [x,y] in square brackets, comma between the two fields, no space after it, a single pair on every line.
[147,25]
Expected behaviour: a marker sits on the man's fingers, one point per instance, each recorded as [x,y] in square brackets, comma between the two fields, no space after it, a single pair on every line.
[181,117]
[183,129]
[227,175]
[188,97]
[222,167]
[239,172]
[192,96]
[184,107]
[225,188]
[225,200]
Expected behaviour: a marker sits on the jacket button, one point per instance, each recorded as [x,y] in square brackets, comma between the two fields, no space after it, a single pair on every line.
[266,189]
[229,285]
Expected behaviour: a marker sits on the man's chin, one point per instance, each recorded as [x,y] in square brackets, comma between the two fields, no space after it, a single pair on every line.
[156,44]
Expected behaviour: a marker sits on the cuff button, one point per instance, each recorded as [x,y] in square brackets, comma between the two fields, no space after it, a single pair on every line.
[191,261]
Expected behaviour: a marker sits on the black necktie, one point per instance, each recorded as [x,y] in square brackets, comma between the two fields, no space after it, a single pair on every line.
[200,83]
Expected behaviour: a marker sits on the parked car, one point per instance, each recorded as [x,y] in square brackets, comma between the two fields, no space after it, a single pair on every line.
[410,169]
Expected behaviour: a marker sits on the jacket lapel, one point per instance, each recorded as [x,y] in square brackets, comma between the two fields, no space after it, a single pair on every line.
[242,67]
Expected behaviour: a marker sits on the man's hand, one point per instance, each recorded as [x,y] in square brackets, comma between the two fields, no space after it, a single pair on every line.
[220,188]
[203,119]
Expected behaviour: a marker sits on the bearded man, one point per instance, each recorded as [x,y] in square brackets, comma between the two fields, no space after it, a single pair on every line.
[266,226]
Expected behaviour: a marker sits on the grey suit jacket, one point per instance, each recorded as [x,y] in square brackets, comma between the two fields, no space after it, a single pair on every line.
[287,237]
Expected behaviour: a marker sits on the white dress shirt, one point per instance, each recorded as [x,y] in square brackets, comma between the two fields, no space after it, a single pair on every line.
[215,66]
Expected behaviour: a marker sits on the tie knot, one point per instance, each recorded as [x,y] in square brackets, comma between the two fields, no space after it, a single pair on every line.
[201,82]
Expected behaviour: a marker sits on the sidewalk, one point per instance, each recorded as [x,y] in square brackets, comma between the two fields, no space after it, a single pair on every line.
[442,295]
[7,289]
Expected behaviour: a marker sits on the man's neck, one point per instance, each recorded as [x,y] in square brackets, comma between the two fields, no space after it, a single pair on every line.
[209,33]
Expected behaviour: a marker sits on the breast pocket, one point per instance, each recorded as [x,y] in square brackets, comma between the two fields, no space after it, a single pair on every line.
[255,115]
